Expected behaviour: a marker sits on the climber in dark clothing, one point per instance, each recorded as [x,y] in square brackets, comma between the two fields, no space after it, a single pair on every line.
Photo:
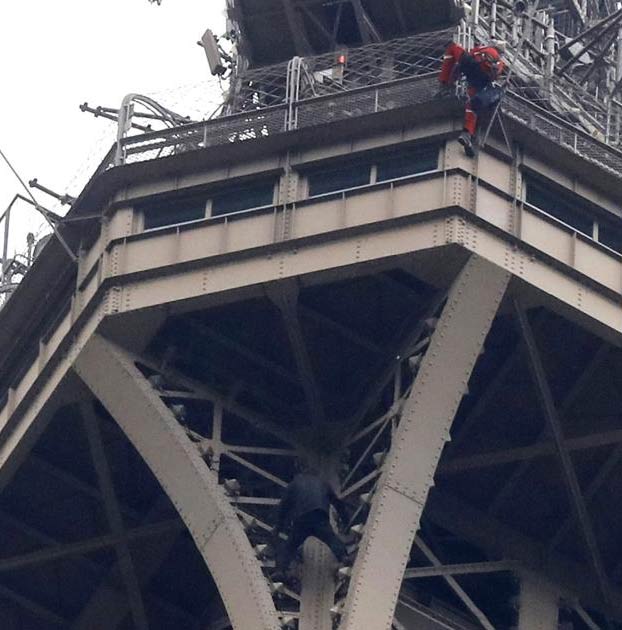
[304,512]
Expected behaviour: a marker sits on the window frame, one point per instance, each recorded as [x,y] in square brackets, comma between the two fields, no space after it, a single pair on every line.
[371,158]
[598,215]
[141,207]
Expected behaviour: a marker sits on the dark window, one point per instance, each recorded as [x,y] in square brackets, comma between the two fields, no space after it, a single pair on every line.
[416,160]
[243,197]
[566,207]
[610,234]
[173,210]
[342,177]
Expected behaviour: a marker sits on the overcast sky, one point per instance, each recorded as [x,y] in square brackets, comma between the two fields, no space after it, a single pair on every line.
[56,54]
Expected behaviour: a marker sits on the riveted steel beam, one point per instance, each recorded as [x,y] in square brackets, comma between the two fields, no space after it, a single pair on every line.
[110,372]
[457,569]
[427,415]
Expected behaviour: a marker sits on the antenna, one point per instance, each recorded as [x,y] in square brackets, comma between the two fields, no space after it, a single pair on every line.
[214,53]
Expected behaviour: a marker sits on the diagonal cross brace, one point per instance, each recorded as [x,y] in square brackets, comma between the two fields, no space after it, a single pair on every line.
[114,517]
[570,476]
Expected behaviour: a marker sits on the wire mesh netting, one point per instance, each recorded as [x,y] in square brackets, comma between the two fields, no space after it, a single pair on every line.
[388,75]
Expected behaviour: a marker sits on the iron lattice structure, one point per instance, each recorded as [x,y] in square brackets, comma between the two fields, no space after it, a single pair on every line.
[564,86]
[320,275]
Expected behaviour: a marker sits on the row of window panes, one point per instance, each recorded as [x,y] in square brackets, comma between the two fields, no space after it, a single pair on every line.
[356,172]
[361,172]
[573,211]
[187,208]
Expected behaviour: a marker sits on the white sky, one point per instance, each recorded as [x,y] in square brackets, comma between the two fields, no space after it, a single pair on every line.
[57,54]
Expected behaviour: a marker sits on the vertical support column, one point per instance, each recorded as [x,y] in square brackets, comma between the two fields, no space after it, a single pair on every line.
[550,52]
[424,427]
[538,604]
[318,587]
[318,569]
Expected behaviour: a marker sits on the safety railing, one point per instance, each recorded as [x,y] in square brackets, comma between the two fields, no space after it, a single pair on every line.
[321,110]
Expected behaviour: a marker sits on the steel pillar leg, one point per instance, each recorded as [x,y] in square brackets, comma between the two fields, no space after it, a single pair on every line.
[319,566]
[427,416]
[318,587]
[539,604]
[110,373]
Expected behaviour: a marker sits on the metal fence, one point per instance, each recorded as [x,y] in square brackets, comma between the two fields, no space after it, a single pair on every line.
[322,110]
[389,75]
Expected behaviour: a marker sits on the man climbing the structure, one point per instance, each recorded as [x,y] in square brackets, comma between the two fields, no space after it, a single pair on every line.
[481,66]
[304,512]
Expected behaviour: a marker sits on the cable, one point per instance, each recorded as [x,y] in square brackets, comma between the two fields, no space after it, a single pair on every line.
[40,209]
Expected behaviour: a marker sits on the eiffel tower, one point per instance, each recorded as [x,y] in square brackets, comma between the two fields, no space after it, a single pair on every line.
[321,276]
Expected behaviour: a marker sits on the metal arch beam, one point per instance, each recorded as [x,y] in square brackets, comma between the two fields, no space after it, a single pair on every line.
[114,517]
[409,469]
[554,423]
[110,373]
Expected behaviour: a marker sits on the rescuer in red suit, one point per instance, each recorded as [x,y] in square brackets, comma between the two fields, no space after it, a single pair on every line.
[481,66]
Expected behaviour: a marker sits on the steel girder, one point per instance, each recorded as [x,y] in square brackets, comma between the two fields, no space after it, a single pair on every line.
[427,416]
[110,373]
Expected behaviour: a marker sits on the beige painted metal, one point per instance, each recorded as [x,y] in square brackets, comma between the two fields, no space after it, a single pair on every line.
[424,428]
[539,604]
[318,587]
[179,264]
[110,373]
